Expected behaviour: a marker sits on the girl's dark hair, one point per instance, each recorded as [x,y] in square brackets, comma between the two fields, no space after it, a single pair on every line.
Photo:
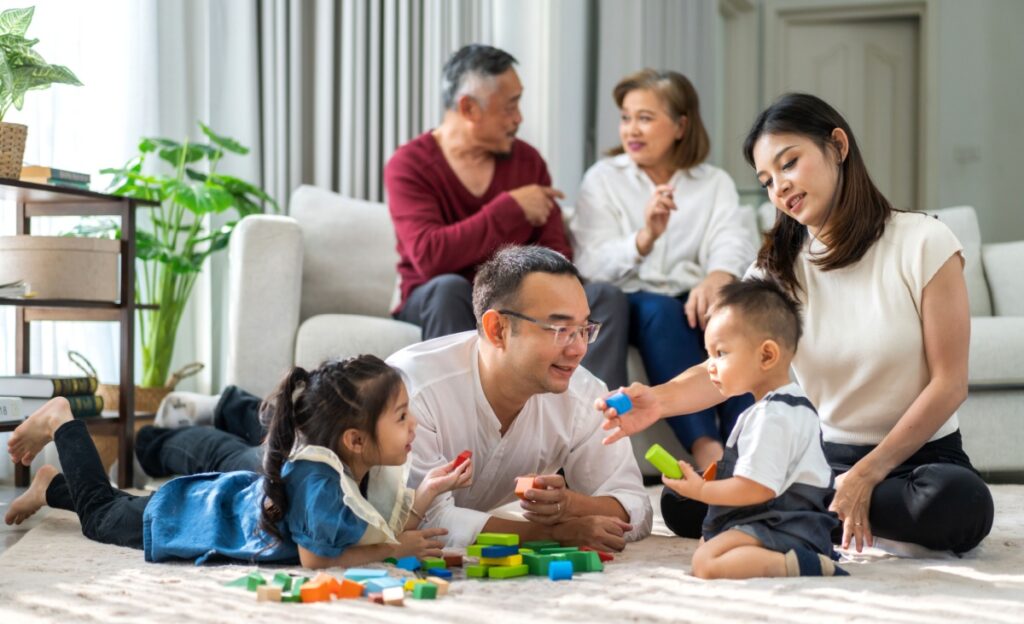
[859,211]
[317,408]
[680,98]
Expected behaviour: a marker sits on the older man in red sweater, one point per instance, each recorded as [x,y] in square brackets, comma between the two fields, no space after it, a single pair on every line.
[463,190]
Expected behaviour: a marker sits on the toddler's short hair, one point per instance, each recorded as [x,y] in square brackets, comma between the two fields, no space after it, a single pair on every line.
[766,308]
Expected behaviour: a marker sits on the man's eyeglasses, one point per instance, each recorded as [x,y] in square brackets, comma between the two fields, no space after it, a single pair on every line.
[563,334]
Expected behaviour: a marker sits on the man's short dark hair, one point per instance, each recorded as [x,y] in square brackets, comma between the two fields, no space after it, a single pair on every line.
[766,308]
[474,59]
[498,280]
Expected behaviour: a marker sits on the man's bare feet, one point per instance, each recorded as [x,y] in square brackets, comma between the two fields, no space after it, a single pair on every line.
[32,435]
[706,451]
[33,499]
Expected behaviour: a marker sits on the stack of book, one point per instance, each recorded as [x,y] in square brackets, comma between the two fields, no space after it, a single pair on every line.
[15,289]
[20,395]
[55,177]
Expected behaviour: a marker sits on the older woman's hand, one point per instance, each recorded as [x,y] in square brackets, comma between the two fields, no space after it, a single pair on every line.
[656,216]
[703,296]
[852,503]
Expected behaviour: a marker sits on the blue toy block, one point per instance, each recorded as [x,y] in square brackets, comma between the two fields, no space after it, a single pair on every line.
[560,570]
[378,585]
[361,574]
[440,573]
[620,402]
[496,552]
[409,563]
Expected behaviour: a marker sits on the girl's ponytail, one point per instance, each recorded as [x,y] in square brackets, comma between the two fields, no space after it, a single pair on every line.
[283,408]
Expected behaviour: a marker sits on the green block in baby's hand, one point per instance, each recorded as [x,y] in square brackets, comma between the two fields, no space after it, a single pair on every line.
[663,461]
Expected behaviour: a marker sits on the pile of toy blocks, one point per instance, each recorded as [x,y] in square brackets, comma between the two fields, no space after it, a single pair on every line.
[501,557]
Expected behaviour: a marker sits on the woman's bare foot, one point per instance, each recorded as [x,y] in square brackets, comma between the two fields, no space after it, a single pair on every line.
[33,499]
[32,435]
[706,451]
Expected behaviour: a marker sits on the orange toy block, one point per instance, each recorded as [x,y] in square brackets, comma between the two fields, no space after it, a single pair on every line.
[320,589]
[349,589]
[523,484]
[711,472]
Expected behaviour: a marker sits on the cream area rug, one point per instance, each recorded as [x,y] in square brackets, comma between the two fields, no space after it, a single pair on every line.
[54,574]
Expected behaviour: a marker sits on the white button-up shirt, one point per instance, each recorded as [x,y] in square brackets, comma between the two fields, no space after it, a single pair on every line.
[707,232]
[552,431]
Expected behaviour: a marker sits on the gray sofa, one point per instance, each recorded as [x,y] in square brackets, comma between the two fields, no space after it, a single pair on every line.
[321,283]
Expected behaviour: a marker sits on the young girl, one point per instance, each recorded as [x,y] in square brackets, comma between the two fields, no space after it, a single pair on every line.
[332,493]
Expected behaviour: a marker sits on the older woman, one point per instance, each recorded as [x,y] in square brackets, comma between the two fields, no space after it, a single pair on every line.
[884,354]
[658,222]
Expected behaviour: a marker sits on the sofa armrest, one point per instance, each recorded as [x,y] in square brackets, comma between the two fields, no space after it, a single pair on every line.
[265,284]
[1005,281]
[997,352]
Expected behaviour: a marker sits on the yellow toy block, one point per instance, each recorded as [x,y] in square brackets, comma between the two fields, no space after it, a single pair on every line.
[511,560]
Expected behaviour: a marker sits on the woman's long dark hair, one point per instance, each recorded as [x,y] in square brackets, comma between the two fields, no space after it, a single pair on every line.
[858,213]
[320,406]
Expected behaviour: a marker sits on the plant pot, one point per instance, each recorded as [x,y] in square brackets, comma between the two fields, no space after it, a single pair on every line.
[12,149]
[62,267]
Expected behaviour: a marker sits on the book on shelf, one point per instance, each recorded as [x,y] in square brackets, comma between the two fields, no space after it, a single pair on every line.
[42,172]
[46,386]
[17,288]
[20,408]
[57,182]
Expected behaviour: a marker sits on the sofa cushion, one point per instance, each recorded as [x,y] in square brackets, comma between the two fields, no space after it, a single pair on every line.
[350,257]
[964,223]
[345,335]
[1003,262]
[997,352]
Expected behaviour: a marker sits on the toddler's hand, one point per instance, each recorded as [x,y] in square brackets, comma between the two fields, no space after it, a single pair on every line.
[420,544]
[447,477]
[689,486]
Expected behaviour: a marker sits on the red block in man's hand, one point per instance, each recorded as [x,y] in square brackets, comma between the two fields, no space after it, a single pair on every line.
[463,458]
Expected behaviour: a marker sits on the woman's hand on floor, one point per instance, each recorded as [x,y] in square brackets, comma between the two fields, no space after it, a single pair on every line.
[852,503]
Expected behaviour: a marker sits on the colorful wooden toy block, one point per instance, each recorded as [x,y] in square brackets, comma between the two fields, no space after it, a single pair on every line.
[249,581]
[523,551]
[663,461]
[394,596]
[453,561]
[477,571]
[378,585]
[605,557]
[475,550]
[499,551]
[585,561]
[361,574]
[411,583]
[442,585]
[537,563]
[425,591]
[320,589]
[463,457]
[552,550]
[409,563]
[619,402]
[560,571]
[511,560]
[376,598]
[504,572]
[295,595]
[439,573]
[282,580]
[711,472]
[538,544]
[522,485]
[432,562]
[349,589]
[497,539]
[268,593]
[391,560]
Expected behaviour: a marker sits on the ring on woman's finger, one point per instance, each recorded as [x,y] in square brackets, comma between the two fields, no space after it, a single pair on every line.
[857,523]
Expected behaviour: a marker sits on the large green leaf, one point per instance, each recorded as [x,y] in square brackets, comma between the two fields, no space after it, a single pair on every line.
[172,155]
[200,199]
[16,21]
[227,143]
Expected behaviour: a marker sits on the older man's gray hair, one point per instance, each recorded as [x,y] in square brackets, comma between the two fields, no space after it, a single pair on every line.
[471,71]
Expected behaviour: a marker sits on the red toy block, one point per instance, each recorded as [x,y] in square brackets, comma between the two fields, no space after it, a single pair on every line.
[605,557]
[349,589]
[453,561]
[523,484]
[463,458]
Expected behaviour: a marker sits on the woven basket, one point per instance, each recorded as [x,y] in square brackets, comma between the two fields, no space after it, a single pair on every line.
[12,149]
[147,399]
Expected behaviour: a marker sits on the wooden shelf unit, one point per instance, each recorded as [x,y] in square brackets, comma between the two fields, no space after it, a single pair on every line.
[40,200]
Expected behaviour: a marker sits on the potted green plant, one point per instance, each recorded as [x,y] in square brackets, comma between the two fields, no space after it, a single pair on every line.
[22,69]
[174,241]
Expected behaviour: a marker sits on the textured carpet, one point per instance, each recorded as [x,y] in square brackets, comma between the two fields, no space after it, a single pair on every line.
[54,574]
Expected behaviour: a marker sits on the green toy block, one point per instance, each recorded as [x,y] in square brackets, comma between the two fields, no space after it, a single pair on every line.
[433,562]
[391,560]
[282,580]
[585,561]
[538,544]
[663,461]
[558,549]
[504,572]
[295,595]
[537,563]
[250,581]
[498,539]
[476,550]
[424,591]
[477,571]
[525,551]
[595,564]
